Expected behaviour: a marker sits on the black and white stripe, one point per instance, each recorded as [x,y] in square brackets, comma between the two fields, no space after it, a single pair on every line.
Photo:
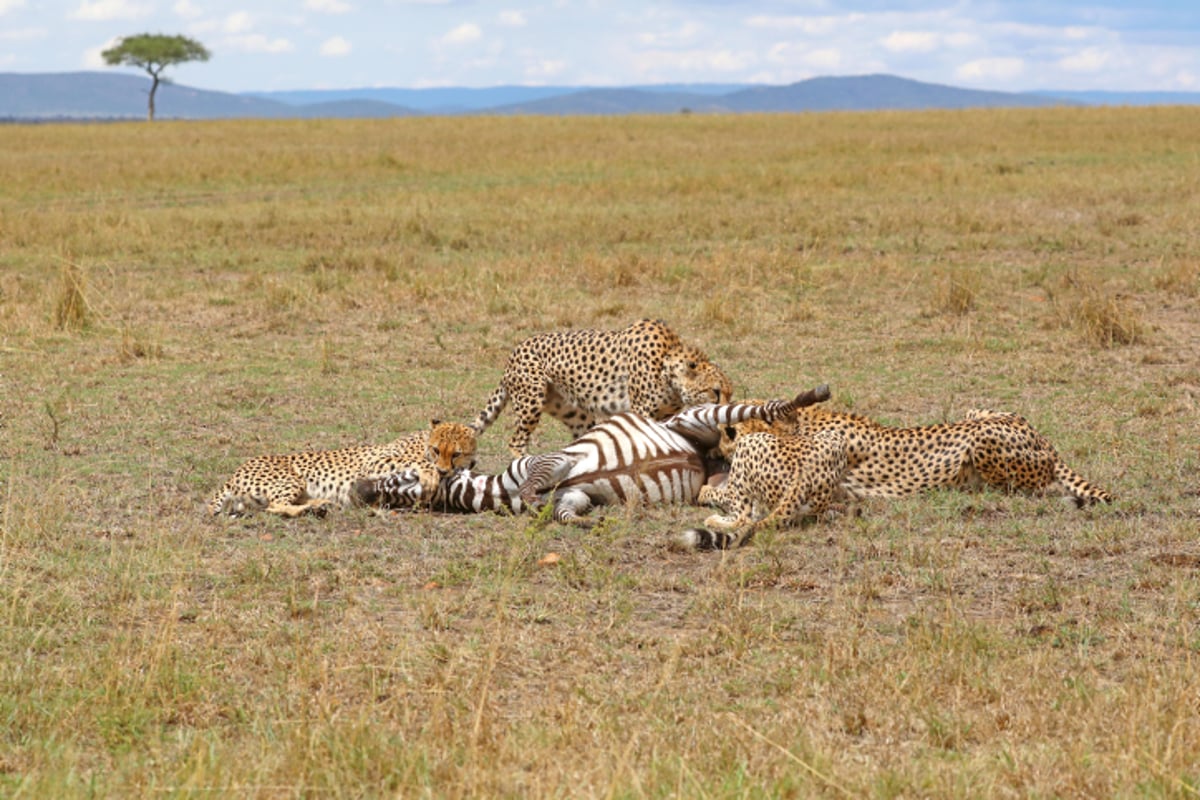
[626,459]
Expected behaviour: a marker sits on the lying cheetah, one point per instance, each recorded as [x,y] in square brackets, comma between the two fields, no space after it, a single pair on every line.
[298,483]
[986,448]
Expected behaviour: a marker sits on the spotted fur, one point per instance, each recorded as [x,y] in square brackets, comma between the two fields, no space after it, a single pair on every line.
[774,481]
[993,448]
[584,376]
[311,481]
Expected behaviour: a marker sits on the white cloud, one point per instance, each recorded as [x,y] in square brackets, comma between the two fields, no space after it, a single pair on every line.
[10,5]
[336,46]
[1079,33]
[91,57]
[547,68]
[257,43]
[184,8]
[789,54]
[464,34]
[911,42]
[690,62]
[686,33]
[824,58]
[238,22]
[105,10]
[1091,59]
[24,34]
[328,6]
[960,39]
[813,26]
[990,69]
[513,19]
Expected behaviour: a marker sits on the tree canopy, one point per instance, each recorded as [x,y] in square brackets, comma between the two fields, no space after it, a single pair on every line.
[154,52]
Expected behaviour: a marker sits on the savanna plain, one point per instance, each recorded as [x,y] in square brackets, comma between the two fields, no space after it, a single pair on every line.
[177,297]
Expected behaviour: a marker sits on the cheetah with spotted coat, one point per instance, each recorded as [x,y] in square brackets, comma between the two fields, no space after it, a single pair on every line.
[585,376]
[311,481]
[986,448]
[774,481]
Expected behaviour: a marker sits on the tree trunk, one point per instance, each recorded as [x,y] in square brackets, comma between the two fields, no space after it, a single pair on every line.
[153,89]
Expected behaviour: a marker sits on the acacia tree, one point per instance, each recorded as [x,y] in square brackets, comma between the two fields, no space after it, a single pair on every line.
[154,52]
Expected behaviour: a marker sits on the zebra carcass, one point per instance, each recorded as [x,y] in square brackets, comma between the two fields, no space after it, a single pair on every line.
[627,459]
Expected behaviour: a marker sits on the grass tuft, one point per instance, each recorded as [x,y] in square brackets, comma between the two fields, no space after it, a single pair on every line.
[955,294]
[71,309]
[1106,319]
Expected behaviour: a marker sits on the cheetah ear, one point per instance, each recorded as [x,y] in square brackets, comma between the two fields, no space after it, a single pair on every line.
[731,432]
[433,423]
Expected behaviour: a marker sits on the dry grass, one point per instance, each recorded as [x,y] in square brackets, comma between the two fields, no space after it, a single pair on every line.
[261,287]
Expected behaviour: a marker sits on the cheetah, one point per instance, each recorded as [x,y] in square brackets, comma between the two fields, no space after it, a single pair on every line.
[582,377]
[773,481]
[986,448]
[311,481]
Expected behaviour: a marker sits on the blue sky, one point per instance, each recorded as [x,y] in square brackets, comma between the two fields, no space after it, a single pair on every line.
[336,44]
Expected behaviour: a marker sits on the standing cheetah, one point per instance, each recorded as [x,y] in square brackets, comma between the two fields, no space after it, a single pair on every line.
[584,376]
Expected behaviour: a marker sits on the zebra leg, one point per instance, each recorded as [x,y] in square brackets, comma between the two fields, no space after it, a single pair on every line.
[544,473]
[570,506]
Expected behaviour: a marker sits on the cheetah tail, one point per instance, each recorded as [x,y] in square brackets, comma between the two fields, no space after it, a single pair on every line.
[702,539]
[491,411]
[1078,488]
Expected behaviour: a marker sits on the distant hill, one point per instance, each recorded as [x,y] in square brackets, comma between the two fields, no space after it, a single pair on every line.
[616,101]
[859,93]
[104,95]
[457,100]
[1127,98]
[114,95]
[874,92]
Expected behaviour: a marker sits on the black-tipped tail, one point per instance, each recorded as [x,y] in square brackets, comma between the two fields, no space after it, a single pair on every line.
[702,539]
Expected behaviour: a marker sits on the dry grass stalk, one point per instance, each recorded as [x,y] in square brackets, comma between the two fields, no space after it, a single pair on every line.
[71,309]
[1106,319]
[955,294]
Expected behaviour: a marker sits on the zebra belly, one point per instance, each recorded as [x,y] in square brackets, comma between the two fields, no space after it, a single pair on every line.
[671,479]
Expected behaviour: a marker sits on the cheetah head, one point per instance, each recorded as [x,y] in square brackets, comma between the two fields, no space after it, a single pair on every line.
[451,446]
[696,379]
